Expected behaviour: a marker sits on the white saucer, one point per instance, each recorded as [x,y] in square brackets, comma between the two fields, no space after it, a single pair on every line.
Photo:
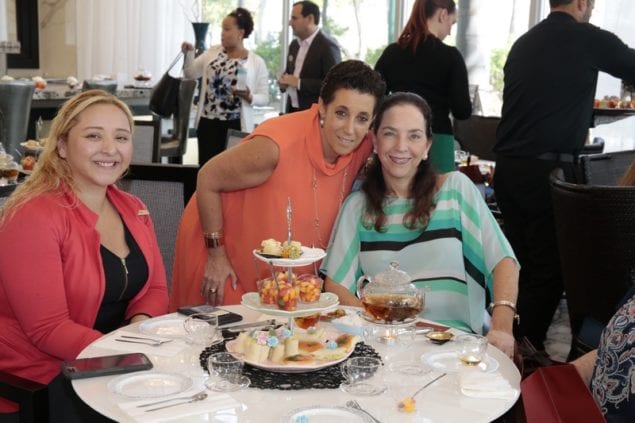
[149,384]
[363,389]
[241,382]
[326,414]
[162,326]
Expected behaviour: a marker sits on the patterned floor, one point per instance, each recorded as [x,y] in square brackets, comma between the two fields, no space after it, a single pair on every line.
[559,335]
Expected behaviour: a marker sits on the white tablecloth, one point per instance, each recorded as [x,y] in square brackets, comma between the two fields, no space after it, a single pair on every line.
[441,402]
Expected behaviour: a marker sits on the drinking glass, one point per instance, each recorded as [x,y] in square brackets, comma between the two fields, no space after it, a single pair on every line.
[225,373]
[471,349]
[202,329]
[363,376]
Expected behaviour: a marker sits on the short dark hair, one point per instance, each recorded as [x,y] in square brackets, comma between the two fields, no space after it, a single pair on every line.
[243,20]
[556,3]
[310,8]
[352,75]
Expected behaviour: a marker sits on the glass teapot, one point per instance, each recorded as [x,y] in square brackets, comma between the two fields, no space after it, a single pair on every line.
[389,297]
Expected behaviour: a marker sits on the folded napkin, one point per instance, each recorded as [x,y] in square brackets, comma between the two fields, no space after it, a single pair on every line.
[168,349]
[213,403]
[478,384]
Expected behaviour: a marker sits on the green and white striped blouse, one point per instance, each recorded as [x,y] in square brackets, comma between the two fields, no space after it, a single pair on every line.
[454,256]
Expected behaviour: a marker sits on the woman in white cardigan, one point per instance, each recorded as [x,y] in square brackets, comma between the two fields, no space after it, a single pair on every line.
[224,101]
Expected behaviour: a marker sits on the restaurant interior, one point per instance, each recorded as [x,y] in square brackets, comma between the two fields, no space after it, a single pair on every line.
[51,50]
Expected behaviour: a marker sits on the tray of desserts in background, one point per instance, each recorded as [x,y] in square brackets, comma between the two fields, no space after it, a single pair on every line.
[614,106]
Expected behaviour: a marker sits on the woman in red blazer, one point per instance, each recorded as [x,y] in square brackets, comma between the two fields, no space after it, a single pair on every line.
[80,257]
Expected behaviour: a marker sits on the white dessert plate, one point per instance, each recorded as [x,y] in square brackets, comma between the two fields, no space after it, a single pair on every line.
[168,327]
[288,368]
[149,384]
[309,256]
[447,361]
[327,301]
[326,414]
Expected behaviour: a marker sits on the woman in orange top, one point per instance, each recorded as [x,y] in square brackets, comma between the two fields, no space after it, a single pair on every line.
[310,157]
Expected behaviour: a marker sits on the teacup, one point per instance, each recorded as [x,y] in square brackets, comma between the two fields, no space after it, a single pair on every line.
[363,376]
[471,349]
[225,373]
[202,328]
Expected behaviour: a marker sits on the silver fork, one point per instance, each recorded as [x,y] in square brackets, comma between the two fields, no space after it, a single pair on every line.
[187,397]
[198,397]
[356,406]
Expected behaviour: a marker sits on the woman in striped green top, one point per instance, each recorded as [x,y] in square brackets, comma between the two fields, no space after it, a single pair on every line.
[437,227]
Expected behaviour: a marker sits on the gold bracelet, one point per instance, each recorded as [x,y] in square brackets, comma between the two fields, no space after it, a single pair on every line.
[506,304]
[214,239]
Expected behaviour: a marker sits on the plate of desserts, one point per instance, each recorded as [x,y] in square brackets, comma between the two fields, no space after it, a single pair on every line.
[284,351]
[287,254]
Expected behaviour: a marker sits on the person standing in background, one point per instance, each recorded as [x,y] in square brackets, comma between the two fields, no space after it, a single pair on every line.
[311,55]
[226,99]
[419,62]
[550,80]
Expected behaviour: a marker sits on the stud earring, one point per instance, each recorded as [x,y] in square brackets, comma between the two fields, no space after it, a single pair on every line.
[321,122]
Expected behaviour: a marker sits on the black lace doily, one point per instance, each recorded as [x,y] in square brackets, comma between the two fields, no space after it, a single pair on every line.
[326,378]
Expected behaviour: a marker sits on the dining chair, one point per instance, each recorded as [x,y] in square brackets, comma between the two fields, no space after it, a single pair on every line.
[31,396]
[477,135]
[606,168]
[15,109]
[146,141]
[165,189]
[174,145]
[595,228]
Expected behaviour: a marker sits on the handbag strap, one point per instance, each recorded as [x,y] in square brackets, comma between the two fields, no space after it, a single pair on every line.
[176,59]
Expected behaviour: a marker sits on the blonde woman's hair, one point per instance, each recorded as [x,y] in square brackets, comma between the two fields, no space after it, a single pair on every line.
[52,172]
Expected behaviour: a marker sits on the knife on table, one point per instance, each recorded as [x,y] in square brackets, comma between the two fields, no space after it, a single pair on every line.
[259,324]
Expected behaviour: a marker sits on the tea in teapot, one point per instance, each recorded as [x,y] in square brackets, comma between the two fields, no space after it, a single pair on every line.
[389,297]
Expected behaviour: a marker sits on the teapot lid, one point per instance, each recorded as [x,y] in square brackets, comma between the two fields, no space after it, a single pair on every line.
[393,275]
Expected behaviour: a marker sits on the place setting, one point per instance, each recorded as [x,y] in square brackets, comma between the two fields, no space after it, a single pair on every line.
[191,401]
[166,336]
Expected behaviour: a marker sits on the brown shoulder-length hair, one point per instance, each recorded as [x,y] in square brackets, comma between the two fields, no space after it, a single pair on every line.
[52,172]
[423,184]
[416,29]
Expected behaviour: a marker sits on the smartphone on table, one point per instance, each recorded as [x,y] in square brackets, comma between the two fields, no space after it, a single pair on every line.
[224,317]
[105,365]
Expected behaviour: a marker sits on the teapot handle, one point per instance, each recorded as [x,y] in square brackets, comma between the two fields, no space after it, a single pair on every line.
[361,284]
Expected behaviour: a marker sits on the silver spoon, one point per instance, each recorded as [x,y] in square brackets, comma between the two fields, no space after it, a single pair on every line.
[198,397]
[428,384]
[356,406]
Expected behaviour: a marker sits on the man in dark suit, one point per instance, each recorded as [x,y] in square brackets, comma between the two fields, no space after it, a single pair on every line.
[311,56]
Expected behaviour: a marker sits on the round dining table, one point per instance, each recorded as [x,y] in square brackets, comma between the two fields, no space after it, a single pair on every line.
[442,401]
